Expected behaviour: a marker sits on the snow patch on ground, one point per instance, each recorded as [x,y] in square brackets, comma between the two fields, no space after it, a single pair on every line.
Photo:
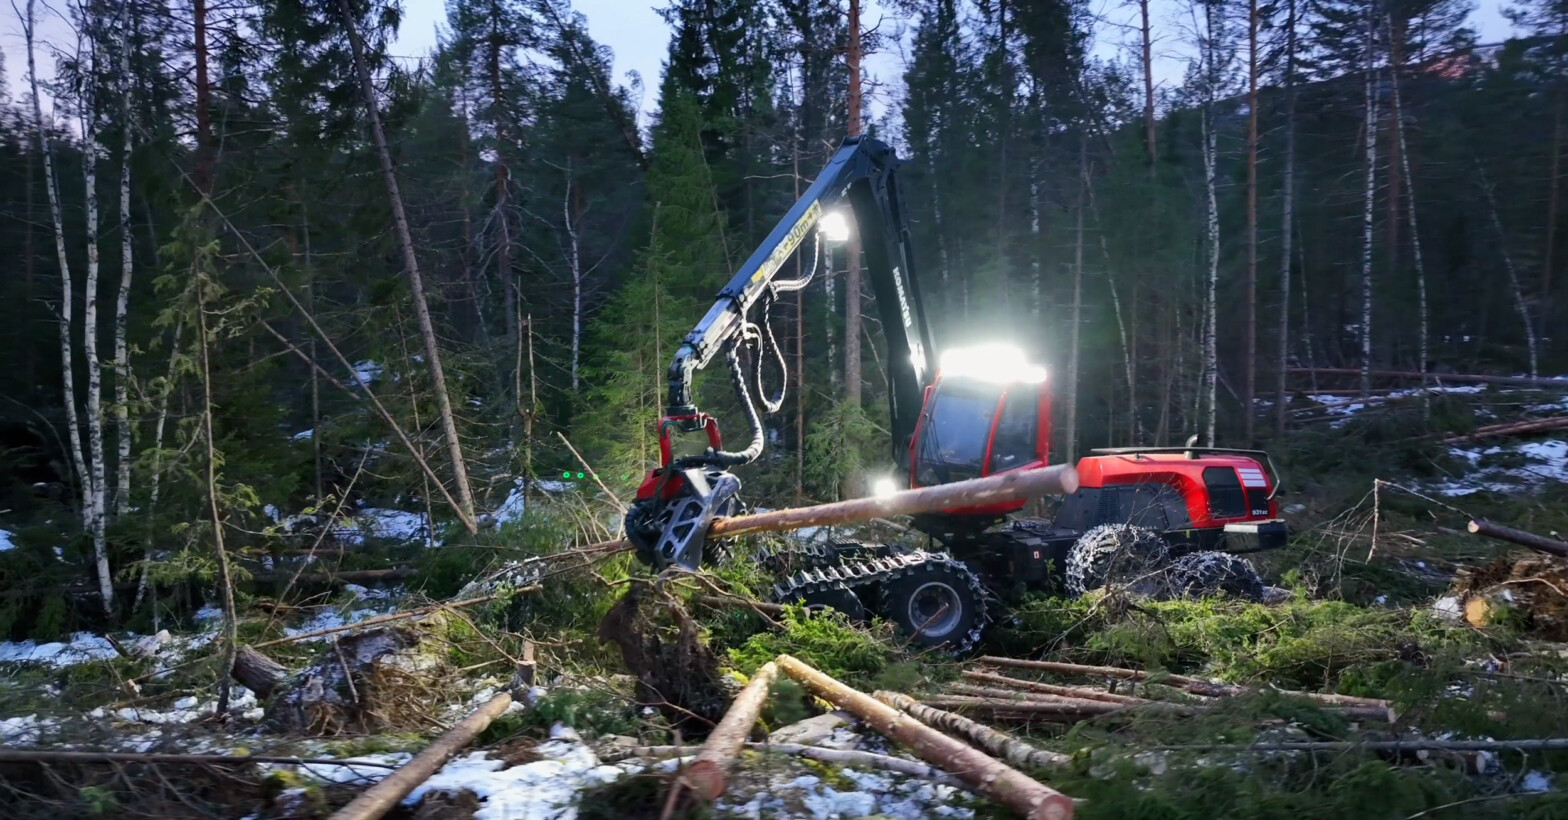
[514,506]
[542,790]
[1543,461]
[1347,406]
[367,371]
[304,435]
[386,524]
[187,710]
[5,541]
[83,647]
[346,772]
[21,731]
[331,618]
[1537,782]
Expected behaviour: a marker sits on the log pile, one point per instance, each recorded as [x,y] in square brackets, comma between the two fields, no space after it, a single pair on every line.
[1512,428]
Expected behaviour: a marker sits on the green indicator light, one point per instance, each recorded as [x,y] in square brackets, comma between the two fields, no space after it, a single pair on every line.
[581,475]
[566,474]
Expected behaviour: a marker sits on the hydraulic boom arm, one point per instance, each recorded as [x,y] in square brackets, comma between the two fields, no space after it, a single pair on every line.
[679,499]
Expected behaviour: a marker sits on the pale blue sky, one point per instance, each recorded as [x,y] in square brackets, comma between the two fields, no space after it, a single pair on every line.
[639,37]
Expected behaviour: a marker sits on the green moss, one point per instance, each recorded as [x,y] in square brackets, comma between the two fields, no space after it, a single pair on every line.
[854,654]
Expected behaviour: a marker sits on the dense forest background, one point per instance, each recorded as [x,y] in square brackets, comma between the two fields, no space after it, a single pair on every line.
[255,265]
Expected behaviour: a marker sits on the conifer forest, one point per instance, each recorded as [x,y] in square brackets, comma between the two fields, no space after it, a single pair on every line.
[1155,409]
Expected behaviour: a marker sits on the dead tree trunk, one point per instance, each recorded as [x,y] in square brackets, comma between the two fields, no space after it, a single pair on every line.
[1148,86]
[1210,394]
[454,445]
[707,773]
[225,579]
[1415,235]
[852,279]
[257,672]
[1539,543]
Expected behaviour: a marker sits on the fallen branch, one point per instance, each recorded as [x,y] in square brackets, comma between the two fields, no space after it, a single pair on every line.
[745,603]
[986,774]
[998,743]
[115,758]
[382,797]
[707,775]
[843,757]
[1539,543]
[1082,692]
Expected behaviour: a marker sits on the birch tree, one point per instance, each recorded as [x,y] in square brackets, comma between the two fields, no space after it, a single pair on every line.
[1287,216]
[1370,176]
[122,303]
[97,501]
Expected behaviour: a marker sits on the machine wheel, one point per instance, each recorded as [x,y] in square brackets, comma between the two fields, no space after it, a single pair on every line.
[938,603]
[1115,553]
[1211,573]
[839,599]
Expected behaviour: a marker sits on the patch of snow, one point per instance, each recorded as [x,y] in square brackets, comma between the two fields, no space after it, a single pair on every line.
[188,709]
[1537,782]
[514,506]
[1448,607]
[1547,462]
[83,647]
[367,371]
[549,486]
[209,613]
[345,771]
[387,524]
[16,731]
[5,541]
[542,790]
[304,435]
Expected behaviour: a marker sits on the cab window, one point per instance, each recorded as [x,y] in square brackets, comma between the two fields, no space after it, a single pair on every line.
[1226,499]
[1018,433]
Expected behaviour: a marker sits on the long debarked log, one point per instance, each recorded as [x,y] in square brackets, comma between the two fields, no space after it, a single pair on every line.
[1061,479]
[1535,745]
[1001,744]
[48,756]
[1082,692]
[988,775]
[1412,375]
[1539,543]
[1096,706]
[707,775]
[1193,685]
[1514,428]
[380,798]
[1037,709]
[843,757]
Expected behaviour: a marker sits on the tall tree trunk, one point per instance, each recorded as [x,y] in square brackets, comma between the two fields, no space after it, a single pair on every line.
[1036,266]
[1148,86]
[1415,234]
[1250,380]
[98,504]
[204,147]
[405,237]
[29,261]
[800,341]
[1367,210]
[999,243]
[1513,272]
[225,579]
[1287,217]
[1553,198]
[67,292]
[1209,396]
[852,280]
[122,357]
[1075,332]
[1127,339]
[502,215]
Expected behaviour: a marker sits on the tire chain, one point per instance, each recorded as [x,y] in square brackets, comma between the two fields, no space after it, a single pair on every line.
[855,574]
[798,557]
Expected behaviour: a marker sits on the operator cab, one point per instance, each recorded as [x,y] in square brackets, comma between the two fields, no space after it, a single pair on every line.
[987,412]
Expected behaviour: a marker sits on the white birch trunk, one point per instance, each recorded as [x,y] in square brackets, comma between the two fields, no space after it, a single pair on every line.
[574,258]
[1367,215]
[827,286]
[122,359]
[100,489]
[67,300]
[1034,241]
[1210,349]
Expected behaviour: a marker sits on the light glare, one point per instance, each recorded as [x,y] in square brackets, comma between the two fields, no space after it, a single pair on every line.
[1000,363]
[834,226]
[883,488]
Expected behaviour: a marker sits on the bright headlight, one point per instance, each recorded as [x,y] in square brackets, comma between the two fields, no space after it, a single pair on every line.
[1000,363]
[834,226]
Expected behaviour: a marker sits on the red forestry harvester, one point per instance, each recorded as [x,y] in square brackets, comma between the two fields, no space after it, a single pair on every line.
[1167,519]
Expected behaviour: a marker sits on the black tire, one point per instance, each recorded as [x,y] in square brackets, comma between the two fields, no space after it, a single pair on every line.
[1115,553]
[915,599]
[840,599]
[1214,573]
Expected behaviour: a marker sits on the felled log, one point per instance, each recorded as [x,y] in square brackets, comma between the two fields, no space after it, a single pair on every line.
[707,775]
[988,775]
[257,672]
[1539,543]
[1194,685]
[1037,709]
[1413,375]
[843,757]
[997,693]
[998,743]
[1513,428]
[380,798]
[387,618]
[1084,692]
[1527,745]
[48,756]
